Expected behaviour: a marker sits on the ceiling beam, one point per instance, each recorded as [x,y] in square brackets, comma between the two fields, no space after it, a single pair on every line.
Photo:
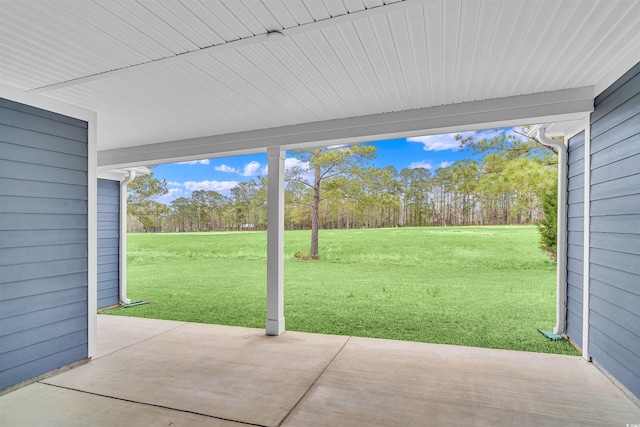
[562,105]
[234,44]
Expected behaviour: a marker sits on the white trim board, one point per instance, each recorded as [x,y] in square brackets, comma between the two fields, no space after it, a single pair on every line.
[92,234]
[562,105]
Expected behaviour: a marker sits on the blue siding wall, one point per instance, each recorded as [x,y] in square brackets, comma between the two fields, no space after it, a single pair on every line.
[614,334]
[43,241]
[575,238]
[108,242]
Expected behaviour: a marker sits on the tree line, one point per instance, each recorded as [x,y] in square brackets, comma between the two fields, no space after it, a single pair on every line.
[338,187]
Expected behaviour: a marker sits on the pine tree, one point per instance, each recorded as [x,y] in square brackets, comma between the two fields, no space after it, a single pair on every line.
[327,163]
[548,227]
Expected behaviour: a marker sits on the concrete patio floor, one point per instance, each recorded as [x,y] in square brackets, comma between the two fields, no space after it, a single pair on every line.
[158,372]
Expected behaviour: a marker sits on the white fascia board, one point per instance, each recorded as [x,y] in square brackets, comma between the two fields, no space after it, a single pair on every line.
[39,101]
[562,105]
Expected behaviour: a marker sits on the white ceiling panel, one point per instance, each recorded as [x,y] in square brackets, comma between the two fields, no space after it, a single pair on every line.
[158,71]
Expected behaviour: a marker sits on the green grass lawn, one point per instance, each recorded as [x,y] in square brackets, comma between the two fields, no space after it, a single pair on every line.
[477,286]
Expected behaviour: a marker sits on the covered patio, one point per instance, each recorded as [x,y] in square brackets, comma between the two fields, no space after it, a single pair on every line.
[87,88]
[158,372]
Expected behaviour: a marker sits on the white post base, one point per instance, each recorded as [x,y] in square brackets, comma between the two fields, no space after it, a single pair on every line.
[275,327]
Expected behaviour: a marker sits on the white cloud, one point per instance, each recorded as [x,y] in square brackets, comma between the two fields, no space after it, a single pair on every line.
[426,165]
[302,169]
[292,162]
[219,186]
[225,168]
[443,142]
[250,169]
[421,164]
[195,162]
[174,184]
[448,141]
[289,164]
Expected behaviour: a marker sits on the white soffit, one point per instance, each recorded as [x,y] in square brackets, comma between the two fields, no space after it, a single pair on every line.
[174,71]
[122,173]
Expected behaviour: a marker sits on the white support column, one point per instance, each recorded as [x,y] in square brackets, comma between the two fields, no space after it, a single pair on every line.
[123,237]
[275,242]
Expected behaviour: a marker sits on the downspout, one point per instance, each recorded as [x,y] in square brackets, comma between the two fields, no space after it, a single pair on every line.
[586,244]
[561,275]
[123,237]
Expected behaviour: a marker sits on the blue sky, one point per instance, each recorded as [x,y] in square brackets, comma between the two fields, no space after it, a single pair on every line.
[222,174]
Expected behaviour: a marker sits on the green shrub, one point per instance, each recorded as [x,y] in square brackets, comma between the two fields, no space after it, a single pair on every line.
[548,227]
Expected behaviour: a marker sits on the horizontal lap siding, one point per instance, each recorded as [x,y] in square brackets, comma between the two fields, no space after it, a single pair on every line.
[575,238]
[43,241]
[614,310]
[108,242]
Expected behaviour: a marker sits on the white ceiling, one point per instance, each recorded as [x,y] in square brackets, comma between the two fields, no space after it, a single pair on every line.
[158,71]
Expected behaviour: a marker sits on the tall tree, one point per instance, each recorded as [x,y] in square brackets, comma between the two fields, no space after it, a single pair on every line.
[465,175]
[182,215]
[250,204]
[416,187]
[298,203]
[204,203]
[141,200]
[327,164]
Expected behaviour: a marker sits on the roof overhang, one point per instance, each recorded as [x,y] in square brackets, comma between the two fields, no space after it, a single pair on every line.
[567,105]
[185,80]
